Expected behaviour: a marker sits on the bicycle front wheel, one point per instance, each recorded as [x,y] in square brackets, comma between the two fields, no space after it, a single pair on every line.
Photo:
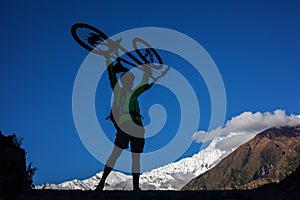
[147,53]
[89,38]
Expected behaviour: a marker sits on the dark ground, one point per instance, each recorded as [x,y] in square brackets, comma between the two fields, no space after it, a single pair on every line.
[269,193]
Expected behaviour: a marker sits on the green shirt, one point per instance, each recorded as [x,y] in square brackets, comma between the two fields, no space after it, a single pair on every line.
[126,105]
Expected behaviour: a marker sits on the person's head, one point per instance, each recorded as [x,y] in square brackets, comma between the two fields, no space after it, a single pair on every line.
[127,80]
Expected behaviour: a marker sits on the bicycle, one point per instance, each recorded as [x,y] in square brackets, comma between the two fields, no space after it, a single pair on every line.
[94,40]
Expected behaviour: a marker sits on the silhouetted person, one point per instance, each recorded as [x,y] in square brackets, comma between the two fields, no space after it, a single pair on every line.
[127,120]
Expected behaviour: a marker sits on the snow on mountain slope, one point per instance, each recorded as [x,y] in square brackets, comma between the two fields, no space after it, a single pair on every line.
[169,177]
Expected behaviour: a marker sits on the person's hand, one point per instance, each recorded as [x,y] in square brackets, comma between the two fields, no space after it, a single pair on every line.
[147,68]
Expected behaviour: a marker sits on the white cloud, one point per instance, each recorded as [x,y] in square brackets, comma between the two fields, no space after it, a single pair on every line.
[244,127]
[203,136]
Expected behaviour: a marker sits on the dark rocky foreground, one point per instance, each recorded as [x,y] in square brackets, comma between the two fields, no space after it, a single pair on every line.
[269,193]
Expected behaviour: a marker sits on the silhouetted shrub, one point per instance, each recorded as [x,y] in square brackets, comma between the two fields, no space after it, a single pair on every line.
[15,176]
[30,171]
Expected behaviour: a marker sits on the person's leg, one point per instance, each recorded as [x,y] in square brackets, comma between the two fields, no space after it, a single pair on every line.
[137,147]
[121,142]
[109,166]
[135,170]
[115,154]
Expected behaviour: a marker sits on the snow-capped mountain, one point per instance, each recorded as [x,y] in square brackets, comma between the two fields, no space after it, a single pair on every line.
[169,177]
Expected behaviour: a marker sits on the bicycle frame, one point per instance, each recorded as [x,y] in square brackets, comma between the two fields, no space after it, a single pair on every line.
[113,52]
[92,39]
[115,46]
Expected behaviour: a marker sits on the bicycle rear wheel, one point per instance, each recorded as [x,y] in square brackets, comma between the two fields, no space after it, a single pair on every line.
[89,38]
[147,53]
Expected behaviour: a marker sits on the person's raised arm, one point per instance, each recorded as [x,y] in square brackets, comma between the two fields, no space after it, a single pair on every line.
[144,84]
[112,75]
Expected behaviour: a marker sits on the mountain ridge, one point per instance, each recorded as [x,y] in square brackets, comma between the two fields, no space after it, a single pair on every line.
[267,158]
[172,176]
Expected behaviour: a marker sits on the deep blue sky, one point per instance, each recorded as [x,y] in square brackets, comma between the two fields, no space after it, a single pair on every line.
[255,45]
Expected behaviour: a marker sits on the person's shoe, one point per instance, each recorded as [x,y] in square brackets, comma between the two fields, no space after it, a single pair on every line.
[137,189]
[99,187]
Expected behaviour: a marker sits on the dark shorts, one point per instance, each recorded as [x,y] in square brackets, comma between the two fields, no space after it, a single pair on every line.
[136,143]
